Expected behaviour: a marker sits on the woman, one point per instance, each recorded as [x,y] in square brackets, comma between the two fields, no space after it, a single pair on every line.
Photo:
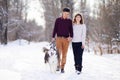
[78,41]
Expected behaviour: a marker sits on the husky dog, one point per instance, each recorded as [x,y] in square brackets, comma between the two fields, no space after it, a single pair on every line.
[51,57]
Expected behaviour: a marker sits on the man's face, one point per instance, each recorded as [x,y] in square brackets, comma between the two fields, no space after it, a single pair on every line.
[66,14]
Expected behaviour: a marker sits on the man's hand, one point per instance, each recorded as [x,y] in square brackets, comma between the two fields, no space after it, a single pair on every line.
[53,39]
[69,38]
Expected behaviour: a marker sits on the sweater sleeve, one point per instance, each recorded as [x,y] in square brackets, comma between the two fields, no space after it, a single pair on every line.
[55,29]
[84,34]
[71,29]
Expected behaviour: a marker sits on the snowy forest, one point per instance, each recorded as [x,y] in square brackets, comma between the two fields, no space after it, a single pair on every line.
[26,28]
[33,20]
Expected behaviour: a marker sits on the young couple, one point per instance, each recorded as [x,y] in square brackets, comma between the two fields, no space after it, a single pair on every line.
[66,30]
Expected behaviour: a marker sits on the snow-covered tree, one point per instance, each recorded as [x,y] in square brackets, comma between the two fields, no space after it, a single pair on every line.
[52,11]
[69,4]
[3,20]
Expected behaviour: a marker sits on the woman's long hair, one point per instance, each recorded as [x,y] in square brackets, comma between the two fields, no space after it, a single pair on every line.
[81,21]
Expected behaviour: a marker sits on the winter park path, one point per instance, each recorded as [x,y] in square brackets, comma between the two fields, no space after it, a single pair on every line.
[26,62]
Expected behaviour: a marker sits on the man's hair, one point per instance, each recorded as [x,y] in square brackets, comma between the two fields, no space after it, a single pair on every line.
[66,10]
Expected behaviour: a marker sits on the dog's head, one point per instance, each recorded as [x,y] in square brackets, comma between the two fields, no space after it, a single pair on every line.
[50,52]
[45,50]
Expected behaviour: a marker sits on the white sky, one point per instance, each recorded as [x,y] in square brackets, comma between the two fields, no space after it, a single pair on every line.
[91,3]
[36,12]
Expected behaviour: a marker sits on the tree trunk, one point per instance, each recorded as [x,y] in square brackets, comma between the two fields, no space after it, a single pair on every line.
[69,4]
[51,13]
[4,21]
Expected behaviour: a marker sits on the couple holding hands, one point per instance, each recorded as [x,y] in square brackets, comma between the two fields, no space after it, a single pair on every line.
[65,30]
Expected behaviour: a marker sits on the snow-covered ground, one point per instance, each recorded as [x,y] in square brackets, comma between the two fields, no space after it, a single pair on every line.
[26,62]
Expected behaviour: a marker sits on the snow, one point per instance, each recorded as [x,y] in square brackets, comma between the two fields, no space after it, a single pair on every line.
[22,61]
[9,75]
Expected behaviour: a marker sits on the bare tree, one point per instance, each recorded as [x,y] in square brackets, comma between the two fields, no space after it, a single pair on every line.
[52,11]
[69,4]
[4,20]
[105,27]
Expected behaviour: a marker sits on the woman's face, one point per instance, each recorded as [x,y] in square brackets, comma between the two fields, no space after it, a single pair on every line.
[78,18]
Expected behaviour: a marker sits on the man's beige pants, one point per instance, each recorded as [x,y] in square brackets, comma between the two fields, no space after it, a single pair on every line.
[62,46]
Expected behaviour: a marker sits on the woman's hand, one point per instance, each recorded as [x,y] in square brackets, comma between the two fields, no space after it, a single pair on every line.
[83,47]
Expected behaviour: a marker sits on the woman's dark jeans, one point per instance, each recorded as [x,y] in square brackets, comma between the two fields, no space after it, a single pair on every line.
[77,52]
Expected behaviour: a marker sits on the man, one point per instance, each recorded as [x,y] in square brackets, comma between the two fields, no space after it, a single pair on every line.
[63,33]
